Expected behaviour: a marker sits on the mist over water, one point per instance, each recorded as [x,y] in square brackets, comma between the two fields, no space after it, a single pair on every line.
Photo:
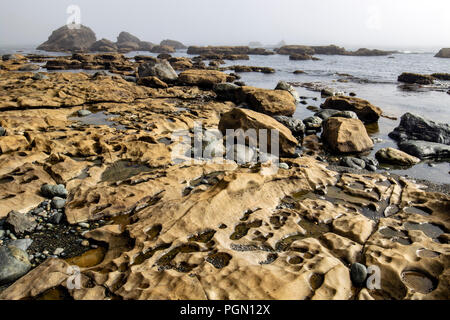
[400,24]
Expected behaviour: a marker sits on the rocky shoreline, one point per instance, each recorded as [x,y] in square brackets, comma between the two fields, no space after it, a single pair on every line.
[89,179]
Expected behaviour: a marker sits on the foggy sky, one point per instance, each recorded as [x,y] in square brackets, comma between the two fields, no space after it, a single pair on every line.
[351,23]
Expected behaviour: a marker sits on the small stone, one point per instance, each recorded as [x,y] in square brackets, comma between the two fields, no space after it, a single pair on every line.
[56,218]
[85,243]
[39,76]
[58,251]
[51,191]
[283,165]
[12,236]
[83,113]
[2,233]
[58,203]
[358,274]
[45,252]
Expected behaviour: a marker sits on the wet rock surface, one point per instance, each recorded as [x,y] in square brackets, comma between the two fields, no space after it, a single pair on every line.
[142,223]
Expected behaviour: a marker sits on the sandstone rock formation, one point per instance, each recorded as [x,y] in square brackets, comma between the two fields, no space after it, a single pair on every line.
[248,119]
[72,40]
[203,78]
[365,111]
[174,228]
[271,102]
[345,135]
[394,156]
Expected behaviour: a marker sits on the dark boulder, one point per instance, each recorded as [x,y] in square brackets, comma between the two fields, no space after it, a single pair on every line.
[425,149]
[411,78]
[415,127]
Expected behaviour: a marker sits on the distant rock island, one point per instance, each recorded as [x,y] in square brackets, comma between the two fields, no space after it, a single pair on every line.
[329,50]
[443,53]
[84,39]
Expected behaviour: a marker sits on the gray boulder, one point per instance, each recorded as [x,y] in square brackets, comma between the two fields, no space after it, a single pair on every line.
[283,85]
[425,149]
[354,163]
[22,244]
[83,113]
[20,223]
[313,123]
[296,126]
[58,203]
[159,68]
[327,113]
[51,191]
[14,264]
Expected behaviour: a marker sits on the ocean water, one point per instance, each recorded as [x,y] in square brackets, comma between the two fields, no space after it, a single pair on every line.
[372,78]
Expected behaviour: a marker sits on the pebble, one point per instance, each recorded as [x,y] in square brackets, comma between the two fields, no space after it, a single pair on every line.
[2,233]
[283,165]
[85,243]
[58,251]
[84,225]
[358,274]
[58,203]
[83,113]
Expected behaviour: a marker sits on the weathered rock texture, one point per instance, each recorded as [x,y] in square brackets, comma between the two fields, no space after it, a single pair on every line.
[66,39]
[345,135]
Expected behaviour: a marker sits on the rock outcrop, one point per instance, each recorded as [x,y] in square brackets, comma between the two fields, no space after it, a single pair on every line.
[203,78]
[365,111]
[411,78]
[415,127]
[177,45]
[443,53]
[329,50]
[70,40]
[160,216]
[345,135]
[248,119]
[104,45]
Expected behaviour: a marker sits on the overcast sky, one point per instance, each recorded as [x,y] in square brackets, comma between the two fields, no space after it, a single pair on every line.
[352,23]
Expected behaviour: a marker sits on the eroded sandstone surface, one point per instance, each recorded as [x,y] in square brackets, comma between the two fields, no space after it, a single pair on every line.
[174,228]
